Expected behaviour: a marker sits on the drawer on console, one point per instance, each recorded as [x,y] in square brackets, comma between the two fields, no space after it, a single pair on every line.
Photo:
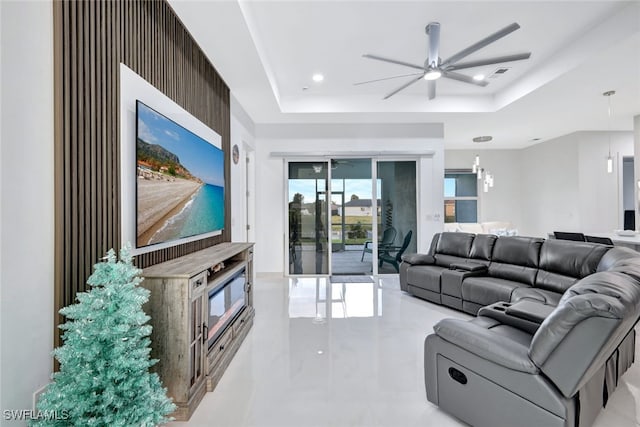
[198,283]
[219,347]
[240,322]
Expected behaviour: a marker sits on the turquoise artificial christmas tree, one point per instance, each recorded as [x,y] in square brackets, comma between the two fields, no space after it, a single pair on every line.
[104,377]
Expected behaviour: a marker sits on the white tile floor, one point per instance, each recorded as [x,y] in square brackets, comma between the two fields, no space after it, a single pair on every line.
[357,361]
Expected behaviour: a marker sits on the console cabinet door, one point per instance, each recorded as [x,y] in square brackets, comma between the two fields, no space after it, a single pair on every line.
[198,332]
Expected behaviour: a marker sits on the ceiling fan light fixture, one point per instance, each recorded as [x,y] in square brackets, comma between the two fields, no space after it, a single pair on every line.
[432,75]
[434,67]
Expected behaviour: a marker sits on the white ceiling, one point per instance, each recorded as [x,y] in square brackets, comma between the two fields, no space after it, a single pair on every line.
[267,52]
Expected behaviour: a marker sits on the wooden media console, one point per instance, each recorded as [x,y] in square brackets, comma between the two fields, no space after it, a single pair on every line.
[201,308]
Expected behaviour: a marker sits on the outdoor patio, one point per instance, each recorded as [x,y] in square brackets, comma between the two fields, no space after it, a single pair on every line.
[347,262]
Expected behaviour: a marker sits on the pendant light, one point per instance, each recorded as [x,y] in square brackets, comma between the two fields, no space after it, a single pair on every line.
[609,158]
[482,174]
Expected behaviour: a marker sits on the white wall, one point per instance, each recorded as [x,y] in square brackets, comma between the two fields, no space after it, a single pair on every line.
[242,135]
[636,165]
[566,186]
[558,185]
[1,223]
[27,201]
[600,192]
[550,189]
[498,203]
[270,182]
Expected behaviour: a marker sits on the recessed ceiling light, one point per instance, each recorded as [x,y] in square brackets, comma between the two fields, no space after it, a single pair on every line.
[478,77]
[318,77]
[482,138]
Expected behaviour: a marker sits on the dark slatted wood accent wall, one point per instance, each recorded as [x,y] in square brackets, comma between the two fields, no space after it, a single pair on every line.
[91,39]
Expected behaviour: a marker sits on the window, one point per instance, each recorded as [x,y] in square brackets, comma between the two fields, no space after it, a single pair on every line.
[460,196]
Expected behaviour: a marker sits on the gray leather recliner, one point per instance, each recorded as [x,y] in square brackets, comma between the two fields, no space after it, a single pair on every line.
[499,370]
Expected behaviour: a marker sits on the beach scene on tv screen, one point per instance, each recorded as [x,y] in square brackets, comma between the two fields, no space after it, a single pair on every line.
[179,181]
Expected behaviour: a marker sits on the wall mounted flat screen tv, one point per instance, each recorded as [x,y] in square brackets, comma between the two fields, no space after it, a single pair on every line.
[179,181]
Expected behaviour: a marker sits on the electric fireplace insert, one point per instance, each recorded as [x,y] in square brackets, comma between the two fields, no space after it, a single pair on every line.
[225,303]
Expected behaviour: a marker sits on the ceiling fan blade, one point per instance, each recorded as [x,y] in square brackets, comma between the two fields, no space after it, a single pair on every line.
[388,78]
[404,86]
[463,78]
[431,88]
[393,61]
[433,30]
[482,43]
[489,61]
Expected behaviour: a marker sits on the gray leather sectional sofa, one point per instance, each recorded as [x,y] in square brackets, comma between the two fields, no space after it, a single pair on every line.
[554,330]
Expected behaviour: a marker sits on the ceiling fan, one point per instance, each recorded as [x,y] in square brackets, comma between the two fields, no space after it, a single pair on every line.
[434,67]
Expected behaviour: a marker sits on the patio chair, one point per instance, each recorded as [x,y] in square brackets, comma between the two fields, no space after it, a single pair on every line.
[388,237]
[394,259]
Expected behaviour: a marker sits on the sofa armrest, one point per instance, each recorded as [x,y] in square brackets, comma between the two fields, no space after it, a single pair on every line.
[486,344]
[418,259]
[517,318]
[532,311]
[469,266]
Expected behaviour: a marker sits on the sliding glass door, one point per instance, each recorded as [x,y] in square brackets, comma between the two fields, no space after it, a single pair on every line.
[396,219]
[308,249]
[352,211]
[350,216]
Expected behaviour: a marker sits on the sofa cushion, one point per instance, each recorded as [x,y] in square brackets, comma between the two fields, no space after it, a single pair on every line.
[517,273]
[617,256]
[456,244]
[524,251]
[444,260]
[450,227]
[620,286]
[536,294]
[470,227]
[492,226]
[627,267]
[553,282]
[482,247]
[563,262]
[425,277]
[487,290]
[505,345]
[516,259]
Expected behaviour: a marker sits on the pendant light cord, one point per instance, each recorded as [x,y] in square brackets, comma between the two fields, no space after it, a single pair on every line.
[609,120]
[608,95]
